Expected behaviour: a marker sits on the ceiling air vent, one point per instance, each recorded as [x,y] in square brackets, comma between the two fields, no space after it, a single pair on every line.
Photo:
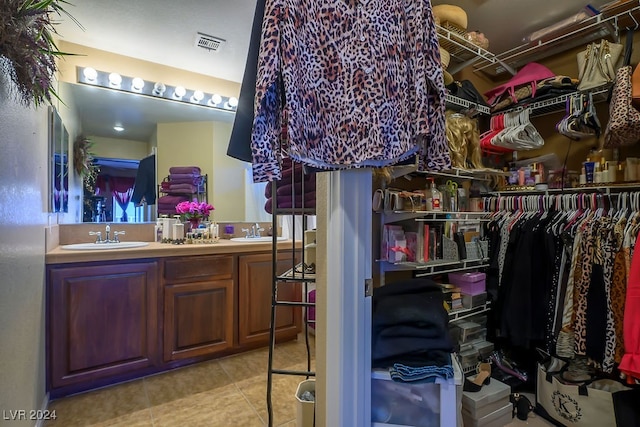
[208,42]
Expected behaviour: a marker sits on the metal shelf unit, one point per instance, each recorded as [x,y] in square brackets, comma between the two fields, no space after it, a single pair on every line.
[603,25]
[292,275]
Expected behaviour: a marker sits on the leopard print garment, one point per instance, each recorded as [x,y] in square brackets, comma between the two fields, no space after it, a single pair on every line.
[362,85]
[607,244]
[582,287]
[619,289]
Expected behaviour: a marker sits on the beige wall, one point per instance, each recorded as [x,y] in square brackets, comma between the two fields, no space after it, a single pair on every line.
[228,183]
[204,144]
[112,148]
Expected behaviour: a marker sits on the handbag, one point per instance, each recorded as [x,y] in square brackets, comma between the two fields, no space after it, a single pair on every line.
[597,64]
[466,90]
[623,127]
[635,86]
[592,403]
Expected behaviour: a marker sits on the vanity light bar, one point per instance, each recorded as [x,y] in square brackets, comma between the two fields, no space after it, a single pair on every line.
[139,86]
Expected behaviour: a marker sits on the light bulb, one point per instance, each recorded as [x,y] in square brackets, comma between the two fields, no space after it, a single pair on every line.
[90,74]
[215,99]
[115,80]
[233,101]
[197,96]
[137,84]
[179,92]
[118,128]
[159,88]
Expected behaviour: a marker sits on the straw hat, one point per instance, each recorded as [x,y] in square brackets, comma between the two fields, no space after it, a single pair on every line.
[452,14]
[445,58]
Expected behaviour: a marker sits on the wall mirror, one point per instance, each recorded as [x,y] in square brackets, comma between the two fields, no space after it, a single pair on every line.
[58,163]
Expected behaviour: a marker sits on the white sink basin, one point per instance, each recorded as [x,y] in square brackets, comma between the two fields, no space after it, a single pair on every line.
[256,239]
[103,246]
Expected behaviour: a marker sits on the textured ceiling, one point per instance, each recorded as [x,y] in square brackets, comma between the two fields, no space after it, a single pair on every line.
[164,32]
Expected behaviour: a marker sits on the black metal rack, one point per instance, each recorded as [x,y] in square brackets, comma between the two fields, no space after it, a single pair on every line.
[296,274]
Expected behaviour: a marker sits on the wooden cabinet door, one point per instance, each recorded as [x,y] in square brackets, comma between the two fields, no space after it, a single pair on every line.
[198,319]
[103,321]
[254,299]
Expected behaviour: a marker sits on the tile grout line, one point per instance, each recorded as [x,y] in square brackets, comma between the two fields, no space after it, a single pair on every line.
[241,393]
[146,393]
[255,411]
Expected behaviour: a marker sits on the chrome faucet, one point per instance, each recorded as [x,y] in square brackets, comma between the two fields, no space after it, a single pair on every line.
[107,234]
[253,232]
[256,230]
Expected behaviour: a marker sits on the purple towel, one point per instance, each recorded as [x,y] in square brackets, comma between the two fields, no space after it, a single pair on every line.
[171,200]
[284,186]
[287,204]
[193,170]
[190,181]
[174,176]
[182,188]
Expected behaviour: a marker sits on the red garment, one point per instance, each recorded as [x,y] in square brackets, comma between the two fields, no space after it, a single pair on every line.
[630,364]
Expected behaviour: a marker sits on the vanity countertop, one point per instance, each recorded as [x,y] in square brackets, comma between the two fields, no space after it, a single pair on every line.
[159,250]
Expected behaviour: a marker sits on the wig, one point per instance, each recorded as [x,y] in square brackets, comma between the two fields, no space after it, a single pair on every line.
[464,141]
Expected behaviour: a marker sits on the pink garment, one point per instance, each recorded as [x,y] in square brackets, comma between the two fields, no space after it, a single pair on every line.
[630,363]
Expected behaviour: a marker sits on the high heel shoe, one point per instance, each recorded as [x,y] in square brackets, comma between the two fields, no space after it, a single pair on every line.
[483,377]
[497,359]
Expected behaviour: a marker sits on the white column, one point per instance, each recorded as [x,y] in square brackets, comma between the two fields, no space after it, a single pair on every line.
[343,336]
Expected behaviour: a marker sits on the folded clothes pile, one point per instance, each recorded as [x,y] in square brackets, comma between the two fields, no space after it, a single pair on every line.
[411,331]
[295,190]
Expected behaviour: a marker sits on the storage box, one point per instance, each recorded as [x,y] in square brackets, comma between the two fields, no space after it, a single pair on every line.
[499,418]
[469,283]
[492,397]
[485,348]
[410,404]
[305,409]
[467,330]
[473,301]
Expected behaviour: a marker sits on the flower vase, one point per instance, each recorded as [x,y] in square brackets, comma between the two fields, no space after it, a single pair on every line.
[195,222]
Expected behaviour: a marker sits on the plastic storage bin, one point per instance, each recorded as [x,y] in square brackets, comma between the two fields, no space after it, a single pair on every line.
[408,404]
[469,283]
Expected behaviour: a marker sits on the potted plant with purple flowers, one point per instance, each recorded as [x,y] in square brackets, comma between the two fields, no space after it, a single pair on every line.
[194,212]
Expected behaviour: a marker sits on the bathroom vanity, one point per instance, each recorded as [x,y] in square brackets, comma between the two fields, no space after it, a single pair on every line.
[115,315]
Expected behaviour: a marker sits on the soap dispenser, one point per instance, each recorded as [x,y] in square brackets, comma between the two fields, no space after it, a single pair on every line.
[434,197]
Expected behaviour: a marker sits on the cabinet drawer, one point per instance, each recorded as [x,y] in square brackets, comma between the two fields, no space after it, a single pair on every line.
[196,268]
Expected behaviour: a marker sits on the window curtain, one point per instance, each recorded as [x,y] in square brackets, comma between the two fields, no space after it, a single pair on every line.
[122,189]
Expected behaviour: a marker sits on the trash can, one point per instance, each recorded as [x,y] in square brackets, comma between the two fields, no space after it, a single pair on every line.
[305,410]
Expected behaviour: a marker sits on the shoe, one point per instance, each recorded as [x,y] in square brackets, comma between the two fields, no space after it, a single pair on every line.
[475,384]
[486,367]
[497,359]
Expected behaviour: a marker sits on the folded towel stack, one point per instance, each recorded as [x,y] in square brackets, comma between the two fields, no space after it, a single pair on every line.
[294,190]
[183,180]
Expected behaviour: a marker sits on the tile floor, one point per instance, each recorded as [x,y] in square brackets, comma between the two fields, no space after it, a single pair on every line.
[217,393]
[228,392]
